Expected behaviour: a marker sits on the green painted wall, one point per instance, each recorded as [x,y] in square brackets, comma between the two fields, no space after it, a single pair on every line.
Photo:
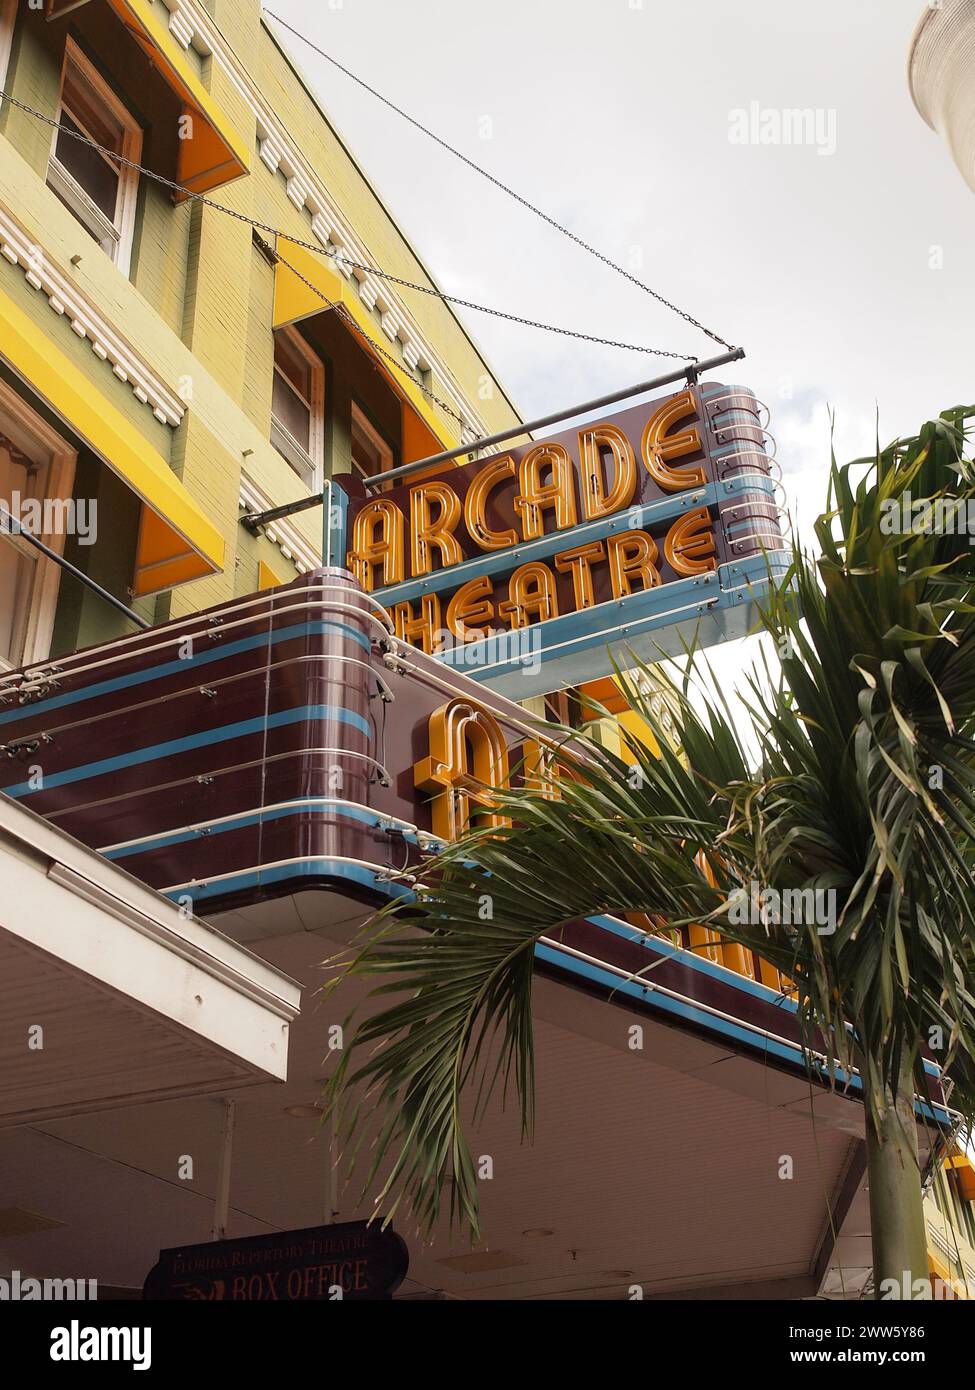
[259,345]
[34,77]
[160,247]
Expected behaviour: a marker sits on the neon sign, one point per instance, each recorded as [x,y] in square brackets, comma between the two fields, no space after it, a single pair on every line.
[574,539]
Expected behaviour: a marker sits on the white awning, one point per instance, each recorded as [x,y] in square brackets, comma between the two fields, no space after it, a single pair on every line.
[112,997]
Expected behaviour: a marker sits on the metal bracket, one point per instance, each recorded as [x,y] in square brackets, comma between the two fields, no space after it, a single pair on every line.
[253,521]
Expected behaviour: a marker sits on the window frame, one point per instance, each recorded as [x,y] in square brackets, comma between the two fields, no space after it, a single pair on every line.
[8,19]
[358,417]
[308,465]
[120,230]
[60,463]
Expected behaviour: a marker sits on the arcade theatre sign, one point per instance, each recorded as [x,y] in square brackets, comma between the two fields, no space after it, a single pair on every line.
[634,524]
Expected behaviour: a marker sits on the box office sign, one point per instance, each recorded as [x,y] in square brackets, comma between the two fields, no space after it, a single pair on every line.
[524,568]
[352,1261]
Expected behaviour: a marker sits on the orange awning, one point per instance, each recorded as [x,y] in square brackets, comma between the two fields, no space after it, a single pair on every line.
[211,151]
[309,284]
[177,541]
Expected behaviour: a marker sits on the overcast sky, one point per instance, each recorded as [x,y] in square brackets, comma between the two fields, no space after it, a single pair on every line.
[845,267]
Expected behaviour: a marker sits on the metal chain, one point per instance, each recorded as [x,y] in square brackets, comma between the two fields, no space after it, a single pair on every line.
[458,154]
[339,254]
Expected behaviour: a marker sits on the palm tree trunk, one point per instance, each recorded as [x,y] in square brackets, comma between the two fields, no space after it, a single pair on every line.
[897,1226]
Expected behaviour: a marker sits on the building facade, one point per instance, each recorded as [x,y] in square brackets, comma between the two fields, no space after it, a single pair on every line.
[197,324]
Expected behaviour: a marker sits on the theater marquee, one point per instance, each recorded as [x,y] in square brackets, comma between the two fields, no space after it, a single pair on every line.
[280,764]
[525,568]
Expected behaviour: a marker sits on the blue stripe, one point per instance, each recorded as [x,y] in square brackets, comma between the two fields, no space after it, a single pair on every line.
[749,482]
[626,519]
[575,644]
[335,526]
[754,570]
[712,387]
[648,996]
[500,562]
[624,619]
[749,524]
[180,837]
[661,946]
[354,873]
[183,745]
[736,415]
[171,668]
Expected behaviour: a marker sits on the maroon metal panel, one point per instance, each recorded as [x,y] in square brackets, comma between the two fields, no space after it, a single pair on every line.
[231,713]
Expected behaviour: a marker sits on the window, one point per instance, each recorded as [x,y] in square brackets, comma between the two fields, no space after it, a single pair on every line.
[370,452]
[99,192]
[562,707]
[298,406]
[35,466]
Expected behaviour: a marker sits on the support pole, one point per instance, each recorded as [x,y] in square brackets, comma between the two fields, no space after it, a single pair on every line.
[690,372]
[332,1186]
[254,520]
[9,523]
[221,1203]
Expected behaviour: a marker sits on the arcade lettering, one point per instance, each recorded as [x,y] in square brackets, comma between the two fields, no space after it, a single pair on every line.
[468,758]
[520,497]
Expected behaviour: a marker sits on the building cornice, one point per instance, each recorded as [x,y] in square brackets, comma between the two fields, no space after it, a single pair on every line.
[65,299]
[93,877]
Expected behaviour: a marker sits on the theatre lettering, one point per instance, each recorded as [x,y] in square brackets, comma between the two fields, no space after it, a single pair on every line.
[351,1261]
